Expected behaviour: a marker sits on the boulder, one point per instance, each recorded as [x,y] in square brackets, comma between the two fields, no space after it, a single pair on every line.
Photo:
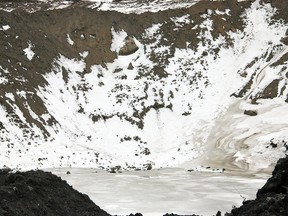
[130,66]
[250,112]
[129,47]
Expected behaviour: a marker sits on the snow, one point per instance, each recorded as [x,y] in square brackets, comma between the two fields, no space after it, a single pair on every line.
[180,21]
[84,54]
[134,6]
[125,6]
[226,12]
[5,28]
[118,40]
[72,65]
[69,40]
[3,80]
[28,51]
[10,96]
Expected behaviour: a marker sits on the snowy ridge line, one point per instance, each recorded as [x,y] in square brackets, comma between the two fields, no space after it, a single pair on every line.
[124,6]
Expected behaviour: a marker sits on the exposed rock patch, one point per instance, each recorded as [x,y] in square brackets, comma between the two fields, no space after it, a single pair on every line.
[129,48]
[250,112]
[285,40]
[130,66]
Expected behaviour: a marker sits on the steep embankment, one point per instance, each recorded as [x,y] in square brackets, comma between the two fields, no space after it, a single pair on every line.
[83,86]
[41,193]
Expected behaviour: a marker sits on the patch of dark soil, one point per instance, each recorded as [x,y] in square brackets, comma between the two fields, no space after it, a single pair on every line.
[271,91]
[284,40]
[41,193]
[281,61]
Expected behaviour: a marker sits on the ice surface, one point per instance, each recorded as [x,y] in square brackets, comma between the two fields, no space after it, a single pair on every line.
[157,192]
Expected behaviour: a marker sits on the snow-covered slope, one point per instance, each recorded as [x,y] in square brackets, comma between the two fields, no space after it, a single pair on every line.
[148,90]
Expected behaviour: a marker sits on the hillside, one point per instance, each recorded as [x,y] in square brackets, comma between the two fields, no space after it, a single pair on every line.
[93,84]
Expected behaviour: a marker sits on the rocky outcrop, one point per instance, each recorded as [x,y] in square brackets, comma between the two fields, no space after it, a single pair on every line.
[278,183]
[129,48]
[285,40]
[272,198]
[42,193]
[250,112]
[130,66]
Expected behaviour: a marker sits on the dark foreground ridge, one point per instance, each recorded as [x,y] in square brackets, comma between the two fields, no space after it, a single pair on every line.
[36,193]
[42,193]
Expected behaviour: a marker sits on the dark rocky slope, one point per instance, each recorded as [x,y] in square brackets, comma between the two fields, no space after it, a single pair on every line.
[41,193]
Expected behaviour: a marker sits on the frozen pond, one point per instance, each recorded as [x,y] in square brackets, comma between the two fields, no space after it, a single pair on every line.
[162,191]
